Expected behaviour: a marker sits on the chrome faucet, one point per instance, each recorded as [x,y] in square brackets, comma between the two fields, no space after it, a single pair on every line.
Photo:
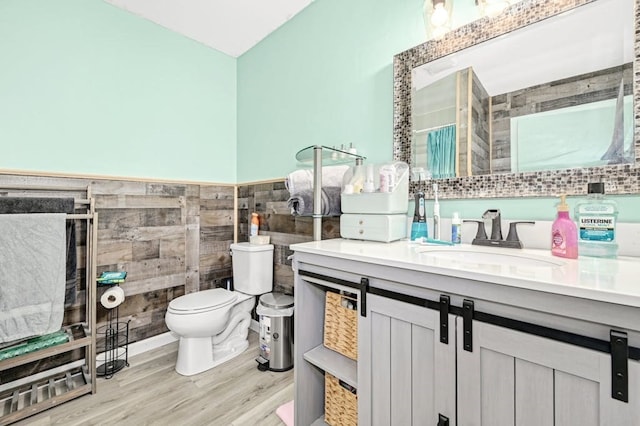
[512,241]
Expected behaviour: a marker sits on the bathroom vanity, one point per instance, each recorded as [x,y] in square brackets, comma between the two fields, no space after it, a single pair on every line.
[471,335]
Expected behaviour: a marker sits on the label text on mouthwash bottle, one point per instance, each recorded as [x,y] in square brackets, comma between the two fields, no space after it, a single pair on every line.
[597,228]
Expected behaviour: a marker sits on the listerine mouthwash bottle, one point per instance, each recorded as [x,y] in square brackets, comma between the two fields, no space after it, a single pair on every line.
[596,218]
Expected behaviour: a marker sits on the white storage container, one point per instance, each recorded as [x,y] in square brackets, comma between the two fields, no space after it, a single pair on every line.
[381,203]
[374,227]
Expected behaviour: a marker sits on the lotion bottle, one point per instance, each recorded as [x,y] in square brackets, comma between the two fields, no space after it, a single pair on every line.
[564,233]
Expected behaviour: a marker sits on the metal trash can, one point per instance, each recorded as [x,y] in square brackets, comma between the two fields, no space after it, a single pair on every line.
[276,332]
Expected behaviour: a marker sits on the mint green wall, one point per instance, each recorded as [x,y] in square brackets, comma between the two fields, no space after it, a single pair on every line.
[325,77]
[527,208]
[88,88]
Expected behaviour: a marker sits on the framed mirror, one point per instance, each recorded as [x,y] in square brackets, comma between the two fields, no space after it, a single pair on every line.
[536,102]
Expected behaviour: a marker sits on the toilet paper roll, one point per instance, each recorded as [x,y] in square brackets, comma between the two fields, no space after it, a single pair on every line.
[113,297]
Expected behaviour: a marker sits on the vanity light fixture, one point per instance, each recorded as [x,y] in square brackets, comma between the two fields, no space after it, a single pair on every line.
[493,8]
[437,16]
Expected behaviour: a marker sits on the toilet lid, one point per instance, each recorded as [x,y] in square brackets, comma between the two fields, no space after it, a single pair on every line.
[203,300]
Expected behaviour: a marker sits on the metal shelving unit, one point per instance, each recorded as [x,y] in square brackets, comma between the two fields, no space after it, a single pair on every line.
[319,155]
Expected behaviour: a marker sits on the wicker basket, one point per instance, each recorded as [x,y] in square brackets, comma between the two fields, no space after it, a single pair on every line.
[340,326]
[340,404]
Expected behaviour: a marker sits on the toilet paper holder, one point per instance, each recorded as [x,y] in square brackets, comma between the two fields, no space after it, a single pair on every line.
[113,337]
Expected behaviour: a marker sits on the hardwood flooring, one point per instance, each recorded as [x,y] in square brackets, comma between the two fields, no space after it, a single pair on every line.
[150,392]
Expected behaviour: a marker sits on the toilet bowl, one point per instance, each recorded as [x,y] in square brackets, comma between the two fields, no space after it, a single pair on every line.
[213,325]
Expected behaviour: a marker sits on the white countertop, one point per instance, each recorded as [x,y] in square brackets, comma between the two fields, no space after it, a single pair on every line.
[607,280]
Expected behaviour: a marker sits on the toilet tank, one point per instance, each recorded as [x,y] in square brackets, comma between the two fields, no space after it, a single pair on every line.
[252,268]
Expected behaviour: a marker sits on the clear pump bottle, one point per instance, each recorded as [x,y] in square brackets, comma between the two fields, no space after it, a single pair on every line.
[358,179]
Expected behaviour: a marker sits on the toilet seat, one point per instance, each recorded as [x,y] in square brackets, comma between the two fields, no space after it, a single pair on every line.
[202,301]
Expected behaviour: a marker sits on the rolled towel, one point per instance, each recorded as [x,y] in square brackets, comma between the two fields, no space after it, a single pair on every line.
[301,204]
[302,180]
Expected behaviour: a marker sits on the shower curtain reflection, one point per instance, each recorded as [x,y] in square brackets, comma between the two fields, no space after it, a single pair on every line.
[441,152]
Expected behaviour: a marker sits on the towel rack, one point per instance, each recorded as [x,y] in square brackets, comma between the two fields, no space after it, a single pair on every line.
[319,155]
[55,385]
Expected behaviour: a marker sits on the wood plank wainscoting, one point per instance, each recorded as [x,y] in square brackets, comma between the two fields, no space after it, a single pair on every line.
[174,238]
[269,200]
[171,238]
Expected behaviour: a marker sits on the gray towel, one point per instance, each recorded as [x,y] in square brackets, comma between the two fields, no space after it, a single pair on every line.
[18,205]
[32,274]
[301,203]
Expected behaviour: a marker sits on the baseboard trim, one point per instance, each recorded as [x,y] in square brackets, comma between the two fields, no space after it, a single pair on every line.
[150,343]
[255,326]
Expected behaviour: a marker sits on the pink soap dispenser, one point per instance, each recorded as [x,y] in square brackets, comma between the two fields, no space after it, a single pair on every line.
[564,234]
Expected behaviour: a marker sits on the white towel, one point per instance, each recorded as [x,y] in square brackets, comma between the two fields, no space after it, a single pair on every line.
[32,274]
[301,180]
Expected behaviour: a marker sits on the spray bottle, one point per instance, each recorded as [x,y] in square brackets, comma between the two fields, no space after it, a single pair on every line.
[255,225]
[419,225]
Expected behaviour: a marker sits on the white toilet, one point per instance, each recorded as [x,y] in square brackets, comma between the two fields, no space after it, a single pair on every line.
[213,324]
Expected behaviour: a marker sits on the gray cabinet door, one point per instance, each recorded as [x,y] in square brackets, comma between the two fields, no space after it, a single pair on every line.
[406,376]
[514,378]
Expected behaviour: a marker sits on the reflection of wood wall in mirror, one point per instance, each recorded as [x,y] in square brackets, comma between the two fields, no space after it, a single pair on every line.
[479,123]
[611,35]
[583,89]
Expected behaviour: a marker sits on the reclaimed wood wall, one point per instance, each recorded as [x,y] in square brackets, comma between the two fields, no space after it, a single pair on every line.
[472,125]
[480,139]
[174,238]
[582,89]
[171,238]
[269,200]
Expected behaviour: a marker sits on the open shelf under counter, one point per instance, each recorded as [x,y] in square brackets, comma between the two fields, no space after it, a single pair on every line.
[320,422]
[334,363]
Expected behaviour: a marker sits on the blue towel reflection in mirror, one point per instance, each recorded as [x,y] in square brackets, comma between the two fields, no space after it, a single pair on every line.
[441,152]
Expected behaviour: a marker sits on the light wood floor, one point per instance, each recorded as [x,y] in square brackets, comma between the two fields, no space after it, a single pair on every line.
[150,392]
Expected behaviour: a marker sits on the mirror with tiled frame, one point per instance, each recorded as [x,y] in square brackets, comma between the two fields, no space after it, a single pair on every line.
[619,178]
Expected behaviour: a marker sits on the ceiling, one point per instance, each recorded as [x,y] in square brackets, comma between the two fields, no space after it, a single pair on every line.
[229,26]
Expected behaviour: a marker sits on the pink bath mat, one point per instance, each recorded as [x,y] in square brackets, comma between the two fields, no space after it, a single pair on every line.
[285,412]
